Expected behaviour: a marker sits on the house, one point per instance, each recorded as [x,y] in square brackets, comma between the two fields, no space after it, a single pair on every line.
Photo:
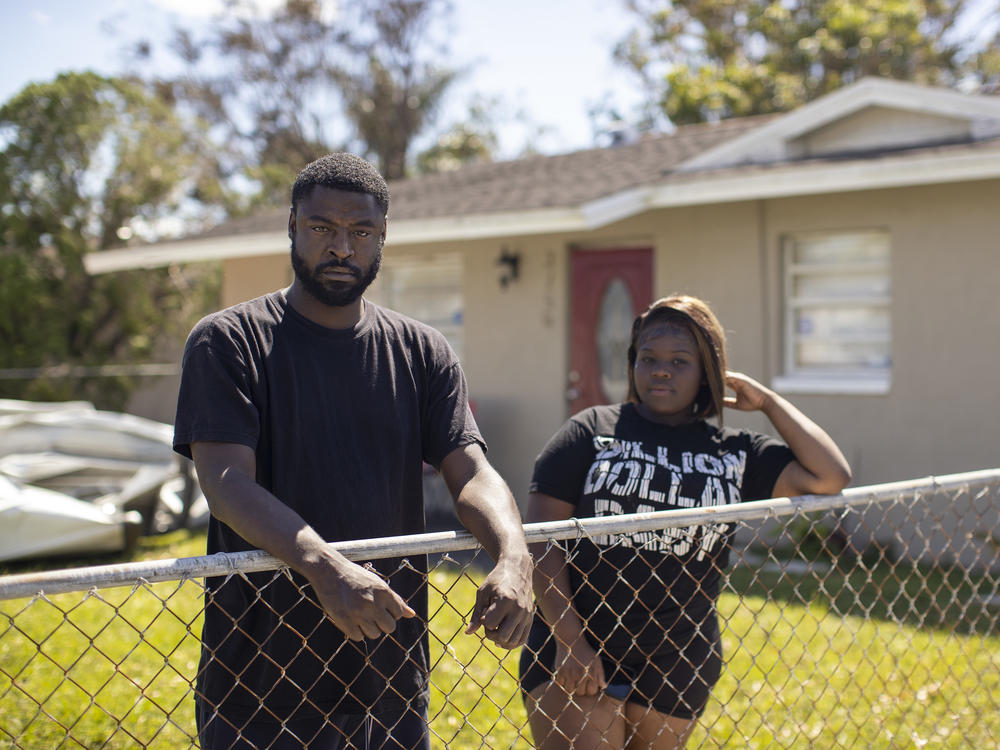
[851,249]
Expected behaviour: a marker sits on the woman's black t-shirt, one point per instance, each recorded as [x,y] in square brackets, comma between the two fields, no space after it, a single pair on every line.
[629,589]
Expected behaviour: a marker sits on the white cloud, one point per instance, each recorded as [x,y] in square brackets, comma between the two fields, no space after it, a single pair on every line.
[42,19]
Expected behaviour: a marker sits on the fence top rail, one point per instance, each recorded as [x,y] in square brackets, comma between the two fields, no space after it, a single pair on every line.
[178,569]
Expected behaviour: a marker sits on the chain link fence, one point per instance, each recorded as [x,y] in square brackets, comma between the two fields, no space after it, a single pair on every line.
[867,619]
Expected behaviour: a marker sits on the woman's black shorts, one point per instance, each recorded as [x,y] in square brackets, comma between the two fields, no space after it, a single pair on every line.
[676,679]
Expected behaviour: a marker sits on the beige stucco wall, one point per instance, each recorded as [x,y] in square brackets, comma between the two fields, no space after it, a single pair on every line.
[939,415]
[515,351]
[517,339]
[247,278]
[935,418]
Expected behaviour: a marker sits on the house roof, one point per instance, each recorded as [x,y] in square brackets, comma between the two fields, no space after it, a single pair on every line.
[977,118]
[560,181]
[872,134]
[534,182]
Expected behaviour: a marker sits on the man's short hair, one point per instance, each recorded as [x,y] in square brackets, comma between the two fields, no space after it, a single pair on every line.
[341,171]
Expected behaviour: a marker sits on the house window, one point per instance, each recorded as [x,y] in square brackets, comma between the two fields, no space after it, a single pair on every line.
[425,287]
[837,334]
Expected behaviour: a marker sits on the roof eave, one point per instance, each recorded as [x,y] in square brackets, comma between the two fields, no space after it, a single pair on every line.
[767,142]
[686,189]
[824,177]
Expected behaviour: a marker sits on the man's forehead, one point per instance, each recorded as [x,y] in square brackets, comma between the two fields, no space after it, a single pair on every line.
[326,198]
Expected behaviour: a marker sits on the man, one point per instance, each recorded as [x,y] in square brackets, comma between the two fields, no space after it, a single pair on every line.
[308,413]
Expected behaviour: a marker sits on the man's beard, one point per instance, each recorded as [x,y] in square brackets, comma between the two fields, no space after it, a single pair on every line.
[336,294]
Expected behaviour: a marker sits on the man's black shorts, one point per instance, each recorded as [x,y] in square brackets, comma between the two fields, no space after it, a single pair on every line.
[404,729]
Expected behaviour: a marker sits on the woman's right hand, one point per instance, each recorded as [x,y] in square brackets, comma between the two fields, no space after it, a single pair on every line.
[578,668]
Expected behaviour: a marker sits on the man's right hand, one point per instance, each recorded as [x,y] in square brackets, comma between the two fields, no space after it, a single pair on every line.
[358,601]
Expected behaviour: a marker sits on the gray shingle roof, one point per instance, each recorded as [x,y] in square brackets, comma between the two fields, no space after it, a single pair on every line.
[558,181]
[533,182]
[571,179]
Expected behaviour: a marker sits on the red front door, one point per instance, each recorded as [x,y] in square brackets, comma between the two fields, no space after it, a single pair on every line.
[608,289]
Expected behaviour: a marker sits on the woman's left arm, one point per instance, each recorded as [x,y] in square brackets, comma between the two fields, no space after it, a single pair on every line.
[819,466]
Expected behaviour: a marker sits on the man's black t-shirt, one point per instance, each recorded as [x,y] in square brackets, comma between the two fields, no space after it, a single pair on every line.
[340,422]
[629,589]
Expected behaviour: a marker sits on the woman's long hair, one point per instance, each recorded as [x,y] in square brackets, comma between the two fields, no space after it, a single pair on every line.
[697,318]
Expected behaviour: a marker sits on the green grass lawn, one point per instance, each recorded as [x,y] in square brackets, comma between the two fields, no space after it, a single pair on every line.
[913,661]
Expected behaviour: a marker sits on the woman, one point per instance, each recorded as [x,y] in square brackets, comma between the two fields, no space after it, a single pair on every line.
[625,646]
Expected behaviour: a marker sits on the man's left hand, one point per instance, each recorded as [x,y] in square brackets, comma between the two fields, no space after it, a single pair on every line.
[504,604]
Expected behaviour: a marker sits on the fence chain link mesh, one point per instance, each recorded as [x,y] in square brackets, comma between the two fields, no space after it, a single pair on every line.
[869,619]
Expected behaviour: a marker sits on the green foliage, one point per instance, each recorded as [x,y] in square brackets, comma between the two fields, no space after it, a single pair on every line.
[466,142]
[85,161]
[460,145]
[262,81]
[286,86]
[704,60]
[987,66]
[392,85]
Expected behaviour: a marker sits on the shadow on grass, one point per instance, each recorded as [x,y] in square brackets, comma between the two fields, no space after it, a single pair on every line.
[874,587]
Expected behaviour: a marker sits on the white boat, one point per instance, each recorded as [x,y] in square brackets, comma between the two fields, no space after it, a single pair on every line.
[35,522]
[86,479]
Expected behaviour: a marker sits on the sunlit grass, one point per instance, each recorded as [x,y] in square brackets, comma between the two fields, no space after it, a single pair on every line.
[807,666]
[801,675]
[110,668]
[475,700]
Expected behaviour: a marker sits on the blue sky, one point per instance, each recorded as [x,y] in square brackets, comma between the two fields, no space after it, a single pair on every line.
[549,58]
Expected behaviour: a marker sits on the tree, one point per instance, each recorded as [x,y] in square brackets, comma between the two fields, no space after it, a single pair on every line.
[391,84]
[86,162]
[283,88]
[262,82]
[705,60]
[472,140]
[986,62]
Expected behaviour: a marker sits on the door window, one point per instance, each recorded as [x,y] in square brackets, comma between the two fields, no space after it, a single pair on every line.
[614,325]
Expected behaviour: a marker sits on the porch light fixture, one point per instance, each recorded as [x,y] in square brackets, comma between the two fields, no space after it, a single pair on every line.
[510,266]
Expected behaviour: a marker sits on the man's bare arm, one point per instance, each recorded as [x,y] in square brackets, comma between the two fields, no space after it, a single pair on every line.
[357,601]
[485,507]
